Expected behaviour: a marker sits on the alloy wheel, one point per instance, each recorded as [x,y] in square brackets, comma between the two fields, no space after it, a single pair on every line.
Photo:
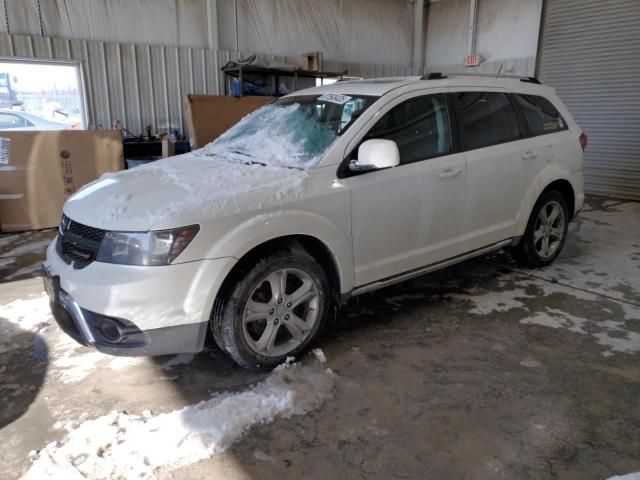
[549,229]
[280,312]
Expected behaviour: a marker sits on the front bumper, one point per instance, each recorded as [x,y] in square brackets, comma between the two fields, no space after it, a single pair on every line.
[84,327]
[159,310]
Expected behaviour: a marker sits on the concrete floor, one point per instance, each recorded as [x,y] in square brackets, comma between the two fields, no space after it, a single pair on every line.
[483,370]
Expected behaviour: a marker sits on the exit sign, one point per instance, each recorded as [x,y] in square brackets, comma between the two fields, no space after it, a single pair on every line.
[472,60]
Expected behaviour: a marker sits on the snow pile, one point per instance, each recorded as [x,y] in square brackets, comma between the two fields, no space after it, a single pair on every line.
[629,476]
[72,362]
[193,184]
[215,185]
[28,314]
[120,445]
[275,136]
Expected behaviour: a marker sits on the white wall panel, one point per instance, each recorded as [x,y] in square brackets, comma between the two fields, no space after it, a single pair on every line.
[158,22]
[447,23]
[506,36]
[508,29]
[374,31]
[366,31]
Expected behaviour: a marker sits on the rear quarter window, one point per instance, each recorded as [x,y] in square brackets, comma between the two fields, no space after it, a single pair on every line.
[540,116]
[486,118]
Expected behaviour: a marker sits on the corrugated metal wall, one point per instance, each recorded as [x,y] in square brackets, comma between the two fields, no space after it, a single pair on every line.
[144,85]
[590,51]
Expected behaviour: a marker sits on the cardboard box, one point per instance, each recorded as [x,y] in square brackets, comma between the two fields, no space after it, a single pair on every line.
[311,61]
[209,116]
[40,170]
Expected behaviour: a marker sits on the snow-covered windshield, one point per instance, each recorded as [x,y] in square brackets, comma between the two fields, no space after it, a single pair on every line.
[291,132]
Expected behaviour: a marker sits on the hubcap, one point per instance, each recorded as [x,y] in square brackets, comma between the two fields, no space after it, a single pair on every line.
[548,231]
[281,312]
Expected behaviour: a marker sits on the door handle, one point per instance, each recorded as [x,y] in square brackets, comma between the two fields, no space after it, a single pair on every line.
[450,172]
[529,155]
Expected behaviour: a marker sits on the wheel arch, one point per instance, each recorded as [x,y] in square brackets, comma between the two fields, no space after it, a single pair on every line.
[315,247]
[552,178]
[566,189]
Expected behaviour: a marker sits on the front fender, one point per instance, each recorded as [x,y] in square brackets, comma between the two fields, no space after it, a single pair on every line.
[545,177]
[269,226]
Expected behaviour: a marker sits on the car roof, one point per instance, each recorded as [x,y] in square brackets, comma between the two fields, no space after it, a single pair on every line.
[31,117]
[381,86]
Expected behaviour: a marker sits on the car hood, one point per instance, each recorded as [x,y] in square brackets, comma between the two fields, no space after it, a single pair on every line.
[183,190]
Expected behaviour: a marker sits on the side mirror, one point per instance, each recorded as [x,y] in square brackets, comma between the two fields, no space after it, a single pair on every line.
[376,154]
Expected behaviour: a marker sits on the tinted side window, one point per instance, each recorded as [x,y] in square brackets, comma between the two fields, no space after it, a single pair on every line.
[486,118]
[419,126]
[540,115]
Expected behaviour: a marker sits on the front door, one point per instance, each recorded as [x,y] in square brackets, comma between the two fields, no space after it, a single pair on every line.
[410,216]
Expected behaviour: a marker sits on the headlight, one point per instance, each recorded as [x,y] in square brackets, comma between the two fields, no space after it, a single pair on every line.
[160,247]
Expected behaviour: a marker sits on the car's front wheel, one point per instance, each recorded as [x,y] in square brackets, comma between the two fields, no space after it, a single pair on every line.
[273,309]
[546,231]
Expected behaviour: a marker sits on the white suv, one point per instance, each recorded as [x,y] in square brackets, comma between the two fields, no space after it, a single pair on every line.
[324,194]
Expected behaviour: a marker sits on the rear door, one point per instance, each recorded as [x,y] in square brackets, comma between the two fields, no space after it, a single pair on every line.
[406,217]
[499,164]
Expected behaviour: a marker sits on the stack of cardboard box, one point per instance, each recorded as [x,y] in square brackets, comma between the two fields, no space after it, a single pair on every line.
[40,170]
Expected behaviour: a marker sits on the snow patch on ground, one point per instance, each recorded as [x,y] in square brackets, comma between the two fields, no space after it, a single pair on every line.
[629,476]
[612,333]
[121,445]
[72,362]
[486,302]
[121,363]
[29,314]
[554,318]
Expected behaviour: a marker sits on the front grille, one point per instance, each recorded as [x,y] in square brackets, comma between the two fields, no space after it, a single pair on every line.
[84,231]
[78,243]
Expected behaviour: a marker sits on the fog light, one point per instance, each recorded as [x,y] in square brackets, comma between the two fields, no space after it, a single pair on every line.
[111,330]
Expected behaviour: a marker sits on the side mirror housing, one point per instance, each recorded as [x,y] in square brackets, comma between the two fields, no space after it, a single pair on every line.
[376,154]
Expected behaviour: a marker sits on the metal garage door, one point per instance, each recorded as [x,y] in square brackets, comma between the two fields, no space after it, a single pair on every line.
[590,51]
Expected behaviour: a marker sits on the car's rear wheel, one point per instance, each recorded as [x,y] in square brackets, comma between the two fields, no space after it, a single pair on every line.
[274,308]
[546,231]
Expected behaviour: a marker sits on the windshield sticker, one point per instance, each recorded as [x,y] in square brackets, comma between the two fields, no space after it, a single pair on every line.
[334,98]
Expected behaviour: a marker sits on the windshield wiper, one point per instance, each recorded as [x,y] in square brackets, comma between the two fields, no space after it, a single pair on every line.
[253,162]
[242,153]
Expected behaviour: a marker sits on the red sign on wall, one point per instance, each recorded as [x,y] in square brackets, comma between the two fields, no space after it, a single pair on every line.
[472,60]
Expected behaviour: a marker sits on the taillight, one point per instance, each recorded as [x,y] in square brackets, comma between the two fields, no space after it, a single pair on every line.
[584,140]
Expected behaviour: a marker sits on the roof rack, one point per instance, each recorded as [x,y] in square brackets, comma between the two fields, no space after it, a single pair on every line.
[440,76]
[433,76]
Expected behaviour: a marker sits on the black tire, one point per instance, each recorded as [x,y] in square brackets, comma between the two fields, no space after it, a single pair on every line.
[227,316]
[526,253]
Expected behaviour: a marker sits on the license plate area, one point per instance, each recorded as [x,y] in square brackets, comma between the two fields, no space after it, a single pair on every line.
[51,285]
